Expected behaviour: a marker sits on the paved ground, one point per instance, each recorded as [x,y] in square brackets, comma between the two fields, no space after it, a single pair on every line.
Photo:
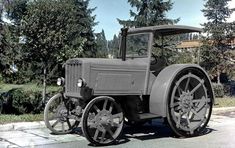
[219,134]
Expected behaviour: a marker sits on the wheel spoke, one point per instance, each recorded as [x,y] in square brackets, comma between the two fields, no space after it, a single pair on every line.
[62,123]
[69,123]
[118,115]
[111,107]
[96,134]
[201,100]
[105,104]
[55,123]
[177,98]
[179,119]
[96,108]
[187,83]
[110,132]
[103,135]
[197,114]
[175,104]
[198,86]
[91,124]
[179,90]
[178,108]
[187,118]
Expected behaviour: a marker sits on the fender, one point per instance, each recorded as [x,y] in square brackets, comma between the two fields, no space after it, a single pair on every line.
[161,87]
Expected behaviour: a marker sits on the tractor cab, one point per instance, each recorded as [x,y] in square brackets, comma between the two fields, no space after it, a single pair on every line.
[143,43]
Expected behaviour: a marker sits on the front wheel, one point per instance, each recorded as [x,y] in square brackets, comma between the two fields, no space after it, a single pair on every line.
[57,116]
[189,103]
[102,121]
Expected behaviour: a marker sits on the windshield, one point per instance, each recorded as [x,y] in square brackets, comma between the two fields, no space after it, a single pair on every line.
[137,45]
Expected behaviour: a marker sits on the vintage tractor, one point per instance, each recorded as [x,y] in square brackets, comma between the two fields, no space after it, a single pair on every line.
[103,94]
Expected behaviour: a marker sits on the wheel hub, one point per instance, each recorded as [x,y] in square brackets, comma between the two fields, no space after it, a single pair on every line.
[103,118]
[186,101]
[62,113]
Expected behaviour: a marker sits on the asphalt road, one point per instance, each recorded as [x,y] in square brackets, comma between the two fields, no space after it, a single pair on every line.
[220,133]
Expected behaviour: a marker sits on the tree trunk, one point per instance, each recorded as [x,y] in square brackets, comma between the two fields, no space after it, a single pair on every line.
[218,77]
[44,84]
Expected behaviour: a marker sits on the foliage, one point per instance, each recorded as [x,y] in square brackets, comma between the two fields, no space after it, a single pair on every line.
[46,33]
[3,44]
[101,44]
[183,57]
[215,50]
[23,99]
[114,46]
[218,89]
[51,32]
[149,13]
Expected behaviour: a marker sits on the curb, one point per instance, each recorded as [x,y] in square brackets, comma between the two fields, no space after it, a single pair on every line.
[22,126]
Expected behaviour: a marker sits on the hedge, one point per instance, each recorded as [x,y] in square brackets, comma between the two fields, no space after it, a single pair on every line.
[218,90]
[23,101]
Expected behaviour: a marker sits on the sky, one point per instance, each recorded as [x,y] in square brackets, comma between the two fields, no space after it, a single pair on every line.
[107,12]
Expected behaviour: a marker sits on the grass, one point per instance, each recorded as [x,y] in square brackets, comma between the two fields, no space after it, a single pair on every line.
[27,87]
[225,102]
[4,119]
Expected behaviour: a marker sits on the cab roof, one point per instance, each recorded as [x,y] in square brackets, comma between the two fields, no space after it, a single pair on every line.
[165,30]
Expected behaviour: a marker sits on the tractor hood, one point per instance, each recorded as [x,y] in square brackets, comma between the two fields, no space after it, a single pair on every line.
[106,76]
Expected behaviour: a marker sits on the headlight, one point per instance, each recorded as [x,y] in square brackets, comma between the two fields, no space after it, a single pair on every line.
[81,83]
[60,81]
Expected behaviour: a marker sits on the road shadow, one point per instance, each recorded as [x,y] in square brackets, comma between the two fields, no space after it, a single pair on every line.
[155,130]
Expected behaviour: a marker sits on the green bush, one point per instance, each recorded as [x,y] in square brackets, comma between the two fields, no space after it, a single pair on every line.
[218,89]
[22,101]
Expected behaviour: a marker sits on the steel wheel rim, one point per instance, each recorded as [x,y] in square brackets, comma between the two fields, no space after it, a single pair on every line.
[57,117]
[102,124]
[190,108]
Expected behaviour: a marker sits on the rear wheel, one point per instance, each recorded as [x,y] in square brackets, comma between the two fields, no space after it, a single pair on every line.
[102,121]
[190,103]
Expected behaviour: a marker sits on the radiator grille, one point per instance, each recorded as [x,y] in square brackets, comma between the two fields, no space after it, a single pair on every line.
[72,74]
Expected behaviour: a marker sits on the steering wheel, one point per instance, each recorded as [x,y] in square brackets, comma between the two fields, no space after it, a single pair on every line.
[142,51]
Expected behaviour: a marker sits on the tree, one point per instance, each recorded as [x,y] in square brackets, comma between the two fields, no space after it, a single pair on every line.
[87,21]
[215,48]
[4,62]
[114,45]
[149,13]
[101,44]
[52,31]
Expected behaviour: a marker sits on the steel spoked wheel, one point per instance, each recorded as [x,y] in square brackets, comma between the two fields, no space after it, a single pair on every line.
[102,121]
[58,117]
[190,103]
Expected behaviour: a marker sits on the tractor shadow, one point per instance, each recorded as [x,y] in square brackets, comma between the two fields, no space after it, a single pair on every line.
[155,130]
